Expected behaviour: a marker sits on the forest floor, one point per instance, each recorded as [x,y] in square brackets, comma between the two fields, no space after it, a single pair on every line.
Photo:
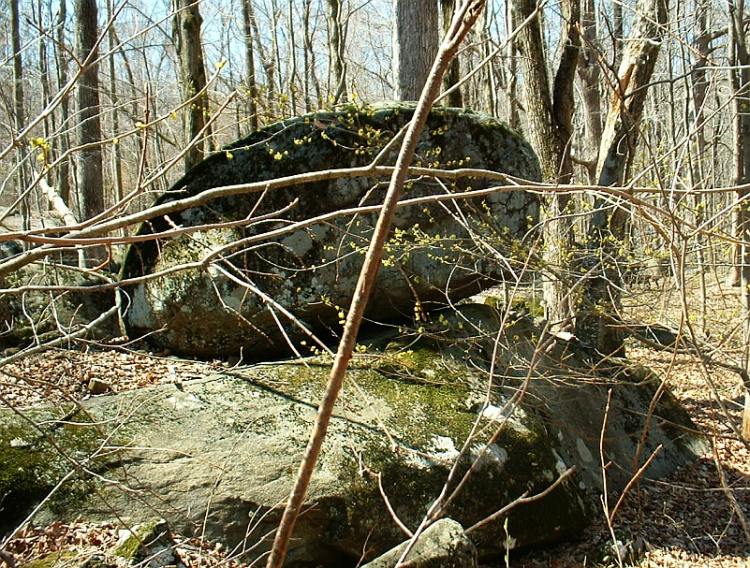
[693,518]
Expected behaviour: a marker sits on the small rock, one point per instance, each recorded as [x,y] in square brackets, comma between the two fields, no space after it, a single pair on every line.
[443,545]
[148,544]
[98,386]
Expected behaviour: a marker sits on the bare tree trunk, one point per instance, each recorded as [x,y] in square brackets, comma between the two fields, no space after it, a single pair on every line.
[310,74]
[252,87]
[453,75]
[336,48]
[740,81]
[292,82]
[618,32]
[62,78]
[19,113]
[589,73]
[699,84]
[275,49]
[600,304]
[513,117]
[116,153]
[18,95]
[43,67]
[415,44]
[89,167]
[550,118]
[187,35]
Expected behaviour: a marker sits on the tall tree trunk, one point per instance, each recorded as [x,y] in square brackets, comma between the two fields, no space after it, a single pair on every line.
[62,78]
[336,48]
[89,166]
[699,89]
[252,87]
[19,112]
[116,153]
[550,118]
[513,116]
[310,73]
[740,82]
[43,67]
[187,35]
[453,75]
[600,304]
[276,51]
[618,32]
[415,45]
[292,82]
[589,73]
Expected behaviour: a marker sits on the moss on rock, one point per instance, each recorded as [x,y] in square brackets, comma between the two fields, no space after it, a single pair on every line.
[31,463]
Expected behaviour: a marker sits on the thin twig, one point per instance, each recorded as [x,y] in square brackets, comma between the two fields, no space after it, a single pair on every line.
[368,273]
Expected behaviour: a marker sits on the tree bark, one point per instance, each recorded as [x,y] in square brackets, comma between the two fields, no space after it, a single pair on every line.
[415,45]
[89,167]
[336,47]
[600,304]
[19,112]
[453,74]
[740,83]
[589,73]
[292,50]
[252,87]
[187,35]
[18,95]
[116,153]
[62,78]
[618,32]
[514,118]
[549,113]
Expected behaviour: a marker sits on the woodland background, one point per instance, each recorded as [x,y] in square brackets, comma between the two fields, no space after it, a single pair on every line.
[638,110]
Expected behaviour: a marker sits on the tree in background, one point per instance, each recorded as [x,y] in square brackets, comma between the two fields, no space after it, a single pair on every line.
[89,164]
[252,87]
[336,50]
[415,45]
[549,112]
[187,36]
[453,75]
[599,311]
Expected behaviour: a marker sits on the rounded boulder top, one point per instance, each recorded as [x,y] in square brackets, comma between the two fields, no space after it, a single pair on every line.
[271,271]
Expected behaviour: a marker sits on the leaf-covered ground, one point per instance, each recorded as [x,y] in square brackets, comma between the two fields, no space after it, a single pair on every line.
[694,518]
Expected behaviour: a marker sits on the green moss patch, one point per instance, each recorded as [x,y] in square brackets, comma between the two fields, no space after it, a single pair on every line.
[31,464]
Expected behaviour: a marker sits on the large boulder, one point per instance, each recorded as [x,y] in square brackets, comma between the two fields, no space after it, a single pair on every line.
[49,300]
[245,298]
[217,455]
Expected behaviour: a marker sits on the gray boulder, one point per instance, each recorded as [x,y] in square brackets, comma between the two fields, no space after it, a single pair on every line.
[34,315]
[216,456]
[442,545]
[220,309]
